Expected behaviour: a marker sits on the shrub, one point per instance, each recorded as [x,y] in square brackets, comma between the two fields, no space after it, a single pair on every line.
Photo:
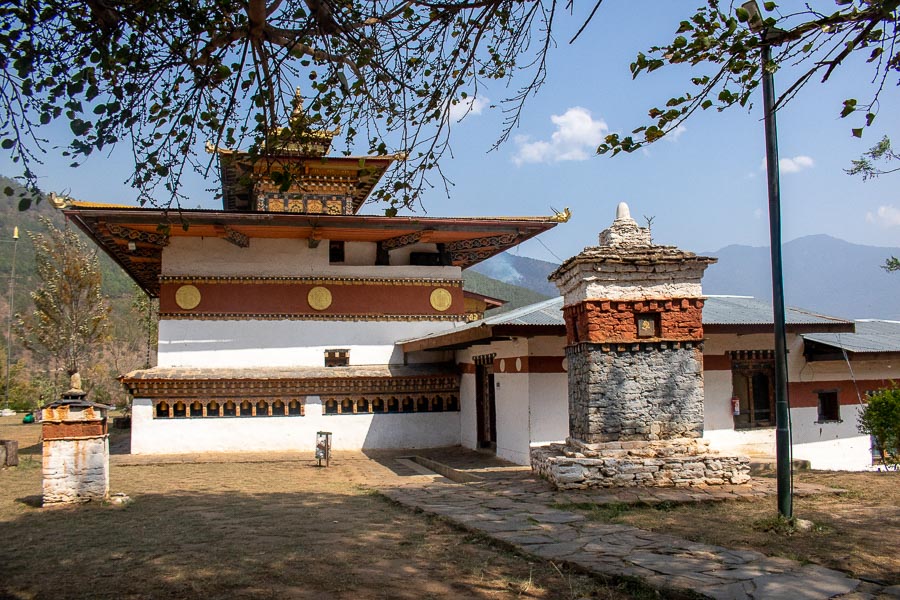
[881,419]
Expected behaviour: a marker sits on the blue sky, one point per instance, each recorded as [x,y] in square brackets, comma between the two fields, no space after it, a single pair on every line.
[705,188]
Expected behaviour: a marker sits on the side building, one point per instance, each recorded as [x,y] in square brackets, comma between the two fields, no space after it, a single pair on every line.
[513,379]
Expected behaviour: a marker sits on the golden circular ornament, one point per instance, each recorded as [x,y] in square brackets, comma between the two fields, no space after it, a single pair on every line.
[319,298]
[441,299]
[187,297]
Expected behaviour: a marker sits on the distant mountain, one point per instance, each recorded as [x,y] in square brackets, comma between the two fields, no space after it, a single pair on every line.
[821,273]
[116,283]
[522,271]
[514,295]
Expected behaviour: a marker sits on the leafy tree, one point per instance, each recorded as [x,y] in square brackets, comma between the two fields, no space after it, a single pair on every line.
[867,164]
[881,419]
[69,319]
[724,59]
[162,75]
[891,264]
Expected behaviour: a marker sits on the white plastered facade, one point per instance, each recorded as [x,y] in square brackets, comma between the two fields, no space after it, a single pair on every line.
[531,408]
[284,434]
[288,343]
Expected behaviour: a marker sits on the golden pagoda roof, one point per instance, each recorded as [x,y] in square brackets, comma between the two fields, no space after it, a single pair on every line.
[290,171]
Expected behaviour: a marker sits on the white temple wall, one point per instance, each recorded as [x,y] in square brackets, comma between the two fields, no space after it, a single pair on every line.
[359,254]
[549,397]
[832,445]
[214,257]
[190,343]
[467,418]
[259,434]
[513,416]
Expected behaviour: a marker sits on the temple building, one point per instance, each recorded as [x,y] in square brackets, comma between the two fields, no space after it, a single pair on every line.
[280,313]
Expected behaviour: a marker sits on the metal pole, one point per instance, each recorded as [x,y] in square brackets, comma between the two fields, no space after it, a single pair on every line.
[782,404]
[12,298]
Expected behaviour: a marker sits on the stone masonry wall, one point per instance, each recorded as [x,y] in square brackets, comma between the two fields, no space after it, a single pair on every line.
[666,463]
[76,470]
[635,391]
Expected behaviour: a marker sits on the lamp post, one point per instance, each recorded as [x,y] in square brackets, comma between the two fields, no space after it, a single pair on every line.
[12,291]
[768,37]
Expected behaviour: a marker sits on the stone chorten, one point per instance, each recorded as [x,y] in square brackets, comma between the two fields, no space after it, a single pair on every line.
[633,313]
[75,448]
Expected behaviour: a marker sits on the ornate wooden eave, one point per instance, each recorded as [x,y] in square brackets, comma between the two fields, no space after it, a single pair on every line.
[136,237]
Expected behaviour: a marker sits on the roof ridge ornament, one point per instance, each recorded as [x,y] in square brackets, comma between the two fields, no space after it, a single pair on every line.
[58,201]
[560,217]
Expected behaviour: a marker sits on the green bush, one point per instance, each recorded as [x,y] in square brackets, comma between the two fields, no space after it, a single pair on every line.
[881,419]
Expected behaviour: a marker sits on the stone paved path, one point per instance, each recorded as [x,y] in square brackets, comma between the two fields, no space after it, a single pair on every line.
[514,508]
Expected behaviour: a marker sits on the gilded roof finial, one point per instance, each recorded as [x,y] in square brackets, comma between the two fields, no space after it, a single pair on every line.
[561,217]
[297,104]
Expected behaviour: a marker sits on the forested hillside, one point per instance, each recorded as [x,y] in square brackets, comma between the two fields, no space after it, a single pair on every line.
[125,347]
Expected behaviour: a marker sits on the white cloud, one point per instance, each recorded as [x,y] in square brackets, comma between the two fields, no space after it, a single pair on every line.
[676,133]
[469,105]
[576,137]
[791,165]
[886,216]
[758,213]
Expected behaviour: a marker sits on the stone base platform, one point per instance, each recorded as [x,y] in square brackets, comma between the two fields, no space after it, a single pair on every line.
[681,462]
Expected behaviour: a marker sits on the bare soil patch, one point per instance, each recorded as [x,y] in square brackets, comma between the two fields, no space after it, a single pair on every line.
[855,532]
[264,530]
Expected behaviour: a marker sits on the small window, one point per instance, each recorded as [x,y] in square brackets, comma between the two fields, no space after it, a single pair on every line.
[196,409]
[829,407]
[335,251]
[337,357]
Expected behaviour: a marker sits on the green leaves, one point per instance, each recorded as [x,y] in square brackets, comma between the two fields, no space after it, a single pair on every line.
[725,65]
[849,107]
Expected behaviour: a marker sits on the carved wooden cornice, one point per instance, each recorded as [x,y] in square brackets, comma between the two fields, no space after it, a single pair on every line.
[244,388]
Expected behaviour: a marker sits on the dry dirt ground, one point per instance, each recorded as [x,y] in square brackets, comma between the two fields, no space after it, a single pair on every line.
[282,530]
[265,530]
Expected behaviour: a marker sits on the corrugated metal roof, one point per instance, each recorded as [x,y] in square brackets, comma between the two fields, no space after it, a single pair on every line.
[547,312]
[746,310]
[717,310]
[870,336]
